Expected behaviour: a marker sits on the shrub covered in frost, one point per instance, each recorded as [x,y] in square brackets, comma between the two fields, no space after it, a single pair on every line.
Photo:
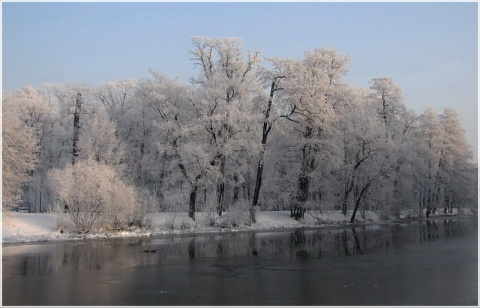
[94,196]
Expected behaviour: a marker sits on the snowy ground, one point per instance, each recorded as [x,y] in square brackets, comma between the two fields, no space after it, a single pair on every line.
[35,227]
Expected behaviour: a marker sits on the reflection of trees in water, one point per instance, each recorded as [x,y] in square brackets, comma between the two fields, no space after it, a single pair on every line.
[299,244]
[191,248]
[329,243]
[449,227]
[79,256]
[431,230]
[352,241]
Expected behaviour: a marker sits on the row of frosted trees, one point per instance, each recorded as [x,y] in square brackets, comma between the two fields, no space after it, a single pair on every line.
[279,134]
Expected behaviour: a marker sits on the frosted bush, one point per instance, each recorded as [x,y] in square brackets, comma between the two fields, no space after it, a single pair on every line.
[95,195]
[237,215]
[210,211]
[146,203]
[174,202]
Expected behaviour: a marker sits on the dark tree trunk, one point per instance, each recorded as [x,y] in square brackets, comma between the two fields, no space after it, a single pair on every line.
[193,187]
[303,179]
[220,197]
[359,199]
[396,185]
[236,188]
[267,127]
[258,183]
[384,105]
[349,187]
[221,187]
[307,166]
[76,127]
[352,219]
[192,201]
[297,211]
[304,185]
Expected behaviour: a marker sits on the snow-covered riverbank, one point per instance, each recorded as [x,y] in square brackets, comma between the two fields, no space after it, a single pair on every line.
[36,227]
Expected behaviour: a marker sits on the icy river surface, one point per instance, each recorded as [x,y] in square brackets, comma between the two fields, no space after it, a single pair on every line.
[427,262]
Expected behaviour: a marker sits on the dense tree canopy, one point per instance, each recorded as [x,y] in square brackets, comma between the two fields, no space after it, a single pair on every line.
[281,134]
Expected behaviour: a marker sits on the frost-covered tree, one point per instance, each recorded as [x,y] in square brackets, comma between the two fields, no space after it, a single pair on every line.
[39,116]
[125,109]
[367,157]
[357,133]
[180,142]
[99,141]
[430,139]
[453,163]
[273,79]
[125,104]
[399,125]
[19,151]
[36,112]
[73,103]
[224,90]
[443,171]
[314,89]
[389,99]
[116,97]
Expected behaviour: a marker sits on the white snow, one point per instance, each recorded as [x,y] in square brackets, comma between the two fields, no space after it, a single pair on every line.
[35,227]
[20,227]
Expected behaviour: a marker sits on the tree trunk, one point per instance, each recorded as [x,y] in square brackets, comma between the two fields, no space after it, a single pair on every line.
[359,199]
[265,131]
[221,187]
[396,187]
[76,127]
[192,201]
[357,203]
[204,198]
[258,183]
[193,187]
[307,165]
[303,186]
[220,195]
[303,179]
[236,188]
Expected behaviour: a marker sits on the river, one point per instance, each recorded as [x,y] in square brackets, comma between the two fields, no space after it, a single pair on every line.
[426,262]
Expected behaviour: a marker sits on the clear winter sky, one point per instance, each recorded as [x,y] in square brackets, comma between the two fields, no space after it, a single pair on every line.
[429,49]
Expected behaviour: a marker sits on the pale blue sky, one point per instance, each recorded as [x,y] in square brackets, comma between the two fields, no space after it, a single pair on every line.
[429,49]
